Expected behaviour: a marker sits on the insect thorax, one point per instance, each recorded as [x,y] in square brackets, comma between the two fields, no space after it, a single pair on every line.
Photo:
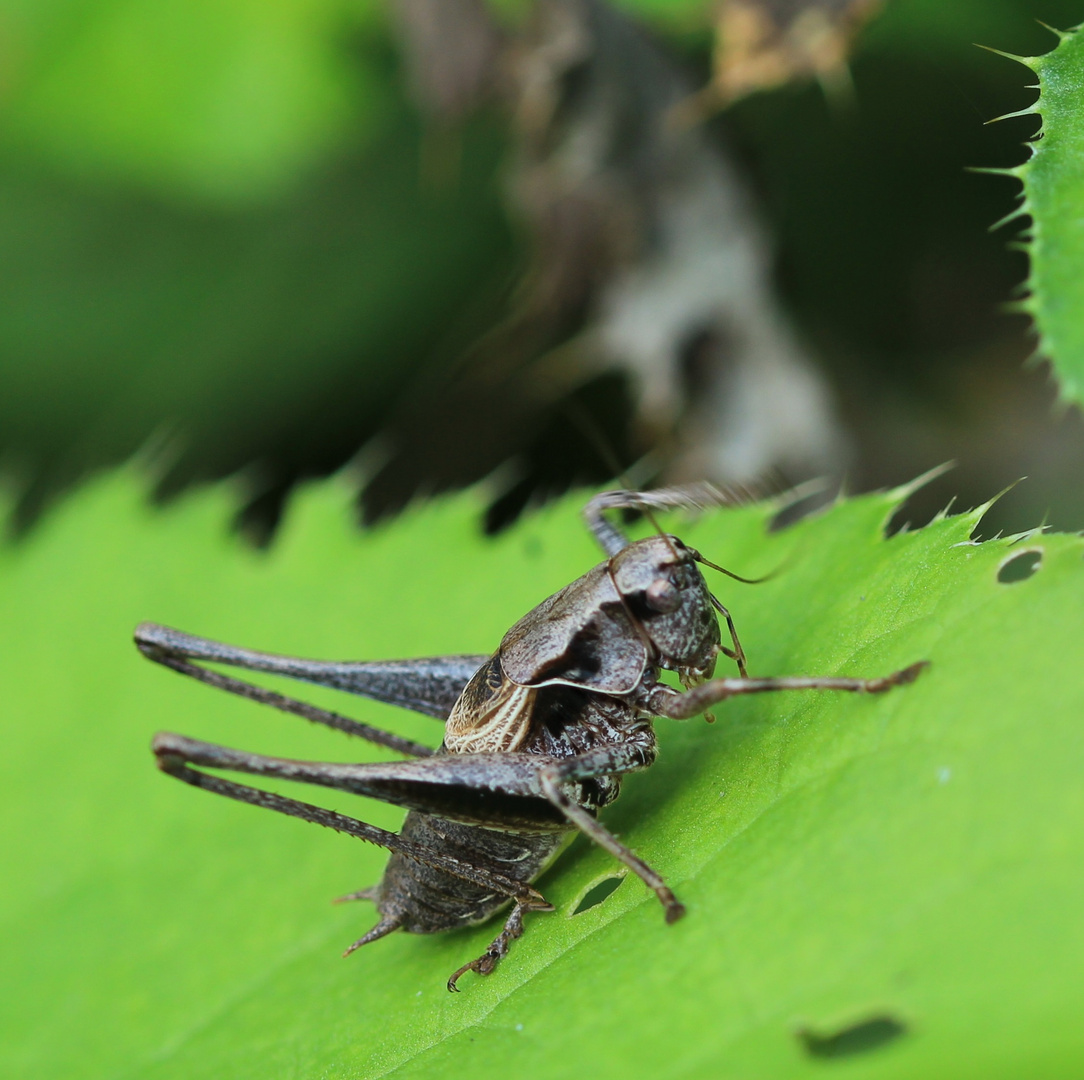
[554,720]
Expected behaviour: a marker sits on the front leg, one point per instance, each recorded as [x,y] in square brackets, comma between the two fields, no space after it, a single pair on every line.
[663,701]
[608,761]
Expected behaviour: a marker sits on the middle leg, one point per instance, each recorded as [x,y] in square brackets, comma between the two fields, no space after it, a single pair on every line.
[608,761]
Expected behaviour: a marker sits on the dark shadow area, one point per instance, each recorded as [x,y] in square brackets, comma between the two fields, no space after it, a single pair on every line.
[597,893]
[1020,567]
[858,1038]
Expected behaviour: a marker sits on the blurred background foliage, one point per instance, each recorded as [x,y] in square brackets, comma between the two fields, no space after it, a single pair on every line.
[237,238]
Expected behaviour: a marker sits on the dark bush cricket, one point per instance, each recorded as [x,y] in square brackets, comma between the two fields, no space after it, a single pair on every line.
[536,737]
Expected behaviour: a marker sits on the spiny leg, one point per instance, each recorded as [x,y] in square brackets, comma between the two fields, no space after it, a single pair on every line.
[498,948]
[698,496]
[175,755]
[429,685]
[680,706]
[588,825]
[303,709]
[449,785]
[607,761]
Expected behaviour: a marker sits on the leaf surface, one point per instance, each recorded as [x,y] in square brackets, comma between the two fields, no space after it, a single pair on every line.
[1053,197]
[894,879]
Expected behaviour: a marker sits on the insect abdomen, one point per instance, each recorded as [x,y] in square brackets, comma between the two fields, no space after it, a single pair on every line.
[426,900]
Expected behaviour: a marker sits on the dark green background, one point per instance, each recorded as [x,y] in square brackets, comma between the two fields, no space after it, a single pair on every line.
[223,241]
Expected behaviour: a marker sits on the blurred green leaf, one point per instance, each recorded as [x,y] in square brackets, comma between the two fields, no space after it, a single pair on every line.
[276,334]
[677,13]
[1054,199]
[224,99]
[224,229]
[854,867]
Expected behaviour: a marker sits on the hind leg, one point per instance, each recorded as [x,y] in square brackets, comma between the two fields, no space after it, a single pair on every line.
[498,949]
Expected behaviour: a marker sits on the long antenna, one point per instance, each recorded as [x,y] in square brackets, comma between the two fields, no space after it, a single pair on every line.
[582,419]
[730,573]
[698,494]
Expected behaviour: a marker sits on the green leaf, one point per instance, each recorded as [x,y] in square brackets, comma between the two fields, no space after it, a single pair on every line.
[277,336]
[228,100]
[893,878]
[228,233]
[1054,198]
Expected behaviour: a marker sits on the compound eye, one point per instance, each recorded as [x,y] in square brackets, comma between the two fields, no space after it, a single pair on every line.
[662,596]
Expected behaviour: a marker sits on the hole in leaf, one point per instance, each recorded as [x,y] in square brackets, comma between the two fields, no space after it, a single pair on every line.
[598,892]
[1020,567]
[869,1034]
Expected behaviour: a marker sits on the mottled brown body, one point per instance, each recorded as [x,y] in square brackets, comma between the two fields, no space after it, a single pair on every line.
[563,723]
[537,736]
